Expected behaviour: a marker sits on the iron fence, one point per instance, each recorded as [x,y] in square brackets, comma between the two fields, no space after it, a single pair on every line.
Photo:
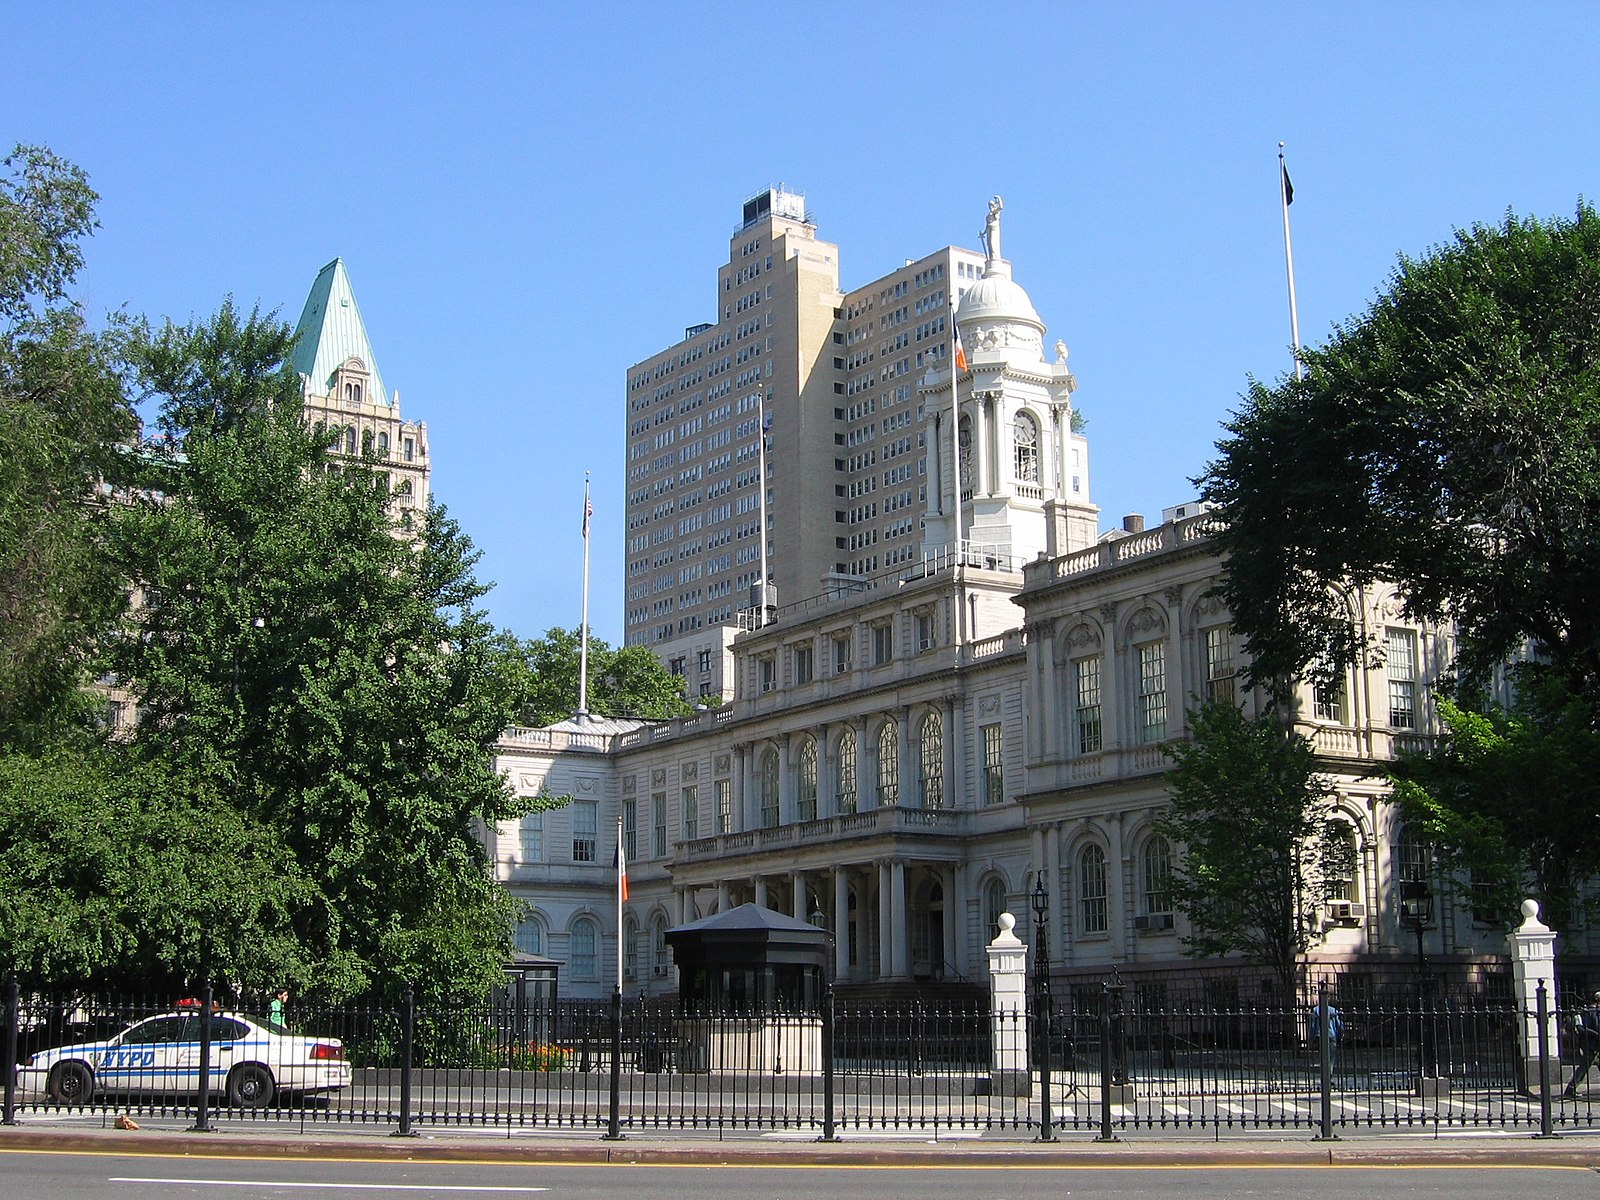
[1119,1064]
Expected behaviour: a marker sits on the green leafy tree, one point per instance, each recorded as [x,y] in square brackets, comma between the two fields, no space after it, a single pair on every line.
[328,672]
[63,419]
[1249,810]
[1512,798]
[1448,442]
[628,681]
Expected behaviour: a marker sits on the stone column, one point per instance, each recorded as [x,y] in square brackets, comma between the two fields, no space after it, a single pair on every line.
[1533,961]
[798,908]
[760,883]
[1047,717]
[787,789]
[841,923]
[744,757]
[909,770]
[952,914]
[1009,1071]
[724,896]
[885,929]
[899,925]
[827,797]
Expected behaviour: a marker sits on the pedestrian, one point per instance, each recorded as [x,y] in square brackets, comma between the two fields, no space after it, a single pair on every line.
[1586,1028]
[1335,1032]
[275,1010]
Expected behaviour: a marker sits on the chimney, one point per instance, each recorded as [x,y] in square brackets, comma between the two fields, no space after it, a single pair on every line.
[1133,523]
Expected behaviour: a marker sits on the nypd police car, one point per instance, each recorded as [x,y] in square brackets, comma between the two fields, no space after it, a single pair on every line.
[252,1061]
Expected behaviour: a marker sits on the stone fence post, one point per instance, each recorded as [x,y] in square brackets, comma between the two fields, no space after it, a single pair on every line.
[1533,961]
[1010,1073]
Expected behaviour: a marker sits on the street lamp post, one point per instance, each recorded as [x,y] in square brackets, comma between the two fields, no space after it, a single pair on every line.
[1416,911]
[1042,1004]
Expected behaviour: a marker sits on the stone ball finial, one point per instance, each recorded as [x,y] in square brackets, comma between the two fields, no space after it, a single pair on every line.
[1530,909]
[1007,922]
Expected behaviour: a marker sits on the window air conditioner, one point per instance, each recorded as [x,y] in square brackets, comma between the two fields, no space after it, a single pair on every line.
[1153,922]
[1346,910]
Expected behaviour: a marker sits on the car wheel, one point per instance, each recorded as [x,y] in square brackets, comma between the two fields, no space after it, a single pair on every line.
[250,1086]
[70,1083]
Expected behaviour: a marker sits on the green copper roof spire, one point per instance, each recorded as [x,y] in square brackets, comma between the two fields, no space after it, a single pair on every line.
[331,332]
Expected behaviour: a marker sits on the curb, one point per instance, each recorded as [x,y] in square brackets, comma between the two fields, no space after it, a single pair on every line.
[1581,1152]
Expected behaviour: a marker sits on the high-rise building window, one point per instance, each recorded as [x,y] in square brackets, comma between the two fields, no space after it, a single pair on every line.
[1086,686]
[845,773]
[806,800]
[994,775]
[1092,889]
[1152,692]
[930,761]
[888,764]
[1401,662]
[1219,665]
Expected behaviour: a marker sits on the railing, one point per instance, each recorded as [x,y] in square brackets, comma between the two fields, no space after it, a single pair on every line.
[1120,1063]
[888,819]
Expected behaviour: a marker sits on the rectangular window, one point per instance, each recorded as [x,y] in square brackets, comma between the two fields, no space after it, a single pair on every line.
[1330,697]
[841,654]
[704,662]
[1402,669]
[658,813]
[691,813]
[994,776]
[532,837]
[630,828]
[1152,692]
[802,664]
[882,643]
[724,794]
[1219,666]
[585,829]
[1086,684]
[924,632]
[411,449]
[768,670]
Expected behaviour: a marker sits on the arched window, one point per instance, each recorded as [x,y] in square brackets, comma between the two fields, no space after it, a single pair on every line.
[529,938]
[350,439]
[769,788]
[1092,889]
[355,392]
[585,949]
[658,946]
[806,801]
[994,903]
[845,772]
[366,441]
[630,949]
[383,444]
[1338,859]
[888,764]
[930,761]
[1156,870]
[1025,432]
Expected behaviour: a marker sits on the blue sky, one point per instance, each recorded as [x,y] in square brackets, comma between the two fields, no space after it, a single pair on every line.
[531,197]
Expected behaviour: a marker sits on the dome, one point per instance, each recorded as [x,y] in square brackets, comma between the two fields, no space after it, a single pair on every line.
[997,298]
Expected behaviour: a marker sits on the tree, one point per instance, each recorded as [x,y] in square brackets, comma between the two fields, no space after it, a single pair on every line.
[1447,442]
[1249,811]
[63,418]
[625,682]
[326,671]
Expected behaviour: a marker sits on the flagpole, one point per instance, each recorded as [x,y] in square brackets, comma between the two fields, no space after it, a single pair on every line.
[761,465]
[622,873]
[583,640]
[1286,194]
[955,452]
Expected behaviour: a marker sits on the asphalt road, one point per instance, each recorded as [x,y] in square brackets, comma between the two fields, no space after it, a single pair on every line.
[56,1175]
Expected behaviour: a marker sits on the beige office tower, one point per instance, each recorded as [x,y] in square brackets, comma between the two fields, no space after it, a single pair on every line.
[342,390]
[855,388]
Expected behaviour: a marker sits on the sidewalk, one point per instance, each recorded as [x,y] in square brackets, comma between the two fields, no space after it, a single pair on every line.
[161,1136]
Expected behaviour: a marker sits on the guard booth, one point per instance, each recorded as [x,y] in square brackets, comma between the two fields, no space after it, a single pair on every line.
[750,985]
[526,1001]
